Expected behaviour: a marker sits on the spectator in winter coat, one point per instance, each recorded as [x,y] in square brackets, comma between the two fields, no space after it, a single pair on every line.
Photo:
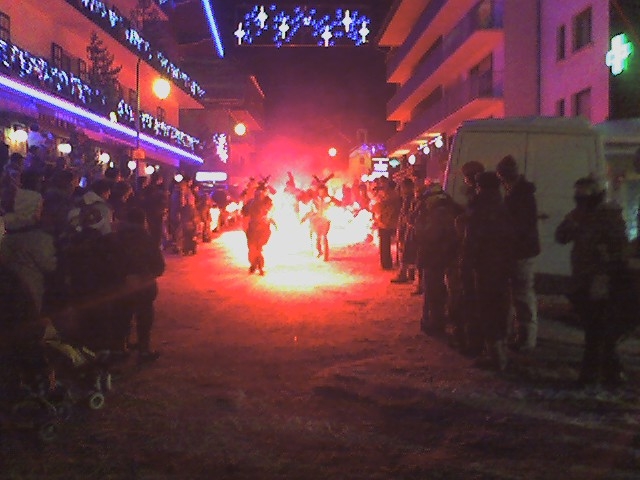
[405,240]
[436,235]
[520,201]
[98,196]
[143,262]
[27,249]
[602,291]
[487,258]
[386,212]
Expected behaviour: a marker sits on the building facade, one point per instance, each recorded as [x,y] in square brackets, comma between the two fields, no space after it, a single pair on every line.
[90,101]
[454,60]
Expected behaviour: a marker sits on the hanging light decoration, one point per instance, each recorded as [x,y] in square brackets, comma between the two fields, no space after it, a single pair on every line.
[64,148]
[19,135]
[132,164]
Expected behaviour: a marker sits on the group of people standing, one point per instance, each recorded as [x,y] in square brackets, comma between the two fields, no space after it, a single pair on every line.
[87,258]
[473,263]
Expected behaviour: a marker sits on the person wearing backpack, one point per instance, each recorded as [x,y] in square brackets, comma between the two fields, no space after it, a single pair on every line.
[435,233]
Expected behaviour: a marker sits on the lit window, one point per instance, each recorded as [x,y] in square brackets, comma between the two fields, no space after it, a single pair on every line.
[560,42]
[582,29]
[582,103]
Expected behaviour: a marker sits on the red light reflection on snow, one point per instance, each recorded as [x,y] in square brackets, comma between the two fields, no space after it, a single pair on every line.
[291,262]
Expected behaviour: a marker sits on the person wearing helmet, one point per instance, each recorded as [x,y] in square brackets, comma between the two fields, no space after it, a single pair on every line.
[601,290]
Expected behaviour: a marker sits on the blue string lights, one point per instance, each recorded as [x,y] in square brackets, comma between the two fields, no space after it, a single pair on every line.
[302,26]
[40,73]
[108,17]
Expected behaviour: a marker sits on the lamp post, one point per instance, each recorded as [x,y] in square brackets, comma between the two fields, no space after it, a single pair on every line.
[161,88]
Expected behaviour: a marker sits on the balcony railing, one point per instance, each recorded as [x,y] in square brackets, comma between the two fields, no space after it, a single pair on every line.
[120,28]
[486,15]
[488,85]
[420,27]
[38,72]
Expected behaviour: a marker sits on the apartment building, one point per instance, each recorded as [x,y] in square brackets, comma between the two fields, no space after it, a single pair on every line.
[453,60]
[46,75]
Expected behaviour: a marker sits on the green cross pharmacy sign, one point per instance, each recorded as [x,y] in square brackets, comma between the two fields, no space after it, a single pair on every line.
[618,55]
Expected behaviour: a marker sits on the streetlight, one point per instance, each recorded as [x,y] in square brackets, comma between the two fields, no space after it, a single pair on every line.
[162,89]
[240,129]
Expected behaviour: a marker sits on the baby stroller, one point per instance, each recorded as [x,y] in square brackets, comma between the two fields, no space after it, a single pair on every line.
[29,400]
[81,372]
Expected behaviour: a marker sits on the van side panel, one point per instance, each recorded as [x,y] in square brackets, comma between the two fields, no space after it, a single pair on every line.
[486,148]
[554,163]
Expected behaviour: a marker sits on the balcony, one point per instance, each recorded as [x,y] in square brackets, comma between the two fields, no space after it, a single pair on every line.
[479,96]
[22,69]
[473,38]
[120,28]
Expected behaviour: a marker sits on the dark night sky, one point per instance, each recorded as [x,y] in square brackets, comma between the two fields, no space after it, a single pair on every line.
[315,97]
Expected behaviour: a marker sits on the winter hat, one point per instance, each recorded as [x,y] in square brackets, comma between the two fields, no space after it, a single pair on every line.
[588,186]
[488,181]
[472,169]
[507,168]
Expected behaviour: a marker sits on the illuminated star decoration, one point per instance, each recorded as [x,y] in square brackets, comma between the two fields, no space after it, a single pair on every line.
[284,28]
[347,21]
[364,31]
[239,33]
[326,36]
[262,17]
[616,58]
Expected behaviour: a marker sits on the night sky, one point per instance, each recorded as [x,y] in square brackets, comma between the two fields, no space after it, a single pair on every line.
[315,97]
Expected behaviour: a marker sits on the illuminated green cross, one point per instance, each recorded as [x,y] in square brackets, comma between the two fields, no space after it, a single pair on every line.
[620,51]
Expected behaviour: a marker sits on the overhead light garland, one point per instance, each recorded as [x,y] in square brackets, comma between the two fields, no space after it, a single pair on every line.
[301,25]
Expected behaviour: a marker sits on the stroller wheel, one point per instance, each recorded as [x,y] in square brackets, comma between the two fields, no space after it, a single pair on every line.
[96,401]
[48,432]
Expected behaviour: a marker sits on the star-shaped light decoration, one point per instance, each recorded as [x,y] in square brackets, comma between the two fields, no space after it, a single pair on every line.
[364,31]
[262,17]
[284,28]
[326,35]
[239,33]
[347,21]
[306,21]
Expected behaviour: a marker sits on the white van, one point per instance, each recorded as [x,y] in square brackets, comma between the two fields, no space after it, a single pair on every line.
[552,152]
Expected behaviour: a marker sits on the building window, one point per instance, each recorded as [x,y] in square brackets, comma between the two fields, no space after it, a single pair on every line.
[582,29]
[82,70]
[560,42]
[560,108]
[5,27]
[56,55]
[132,99]
[582,103]
[65,62]
[161,115]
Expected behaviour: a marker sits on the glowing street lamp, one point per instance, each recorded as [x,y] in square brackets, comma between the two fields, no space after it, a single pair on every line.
[161,88]
[333,152]
[240,129]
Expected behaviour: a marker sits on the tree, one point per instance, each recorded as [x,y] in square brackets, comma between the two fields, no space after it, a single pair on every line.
[103,75]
